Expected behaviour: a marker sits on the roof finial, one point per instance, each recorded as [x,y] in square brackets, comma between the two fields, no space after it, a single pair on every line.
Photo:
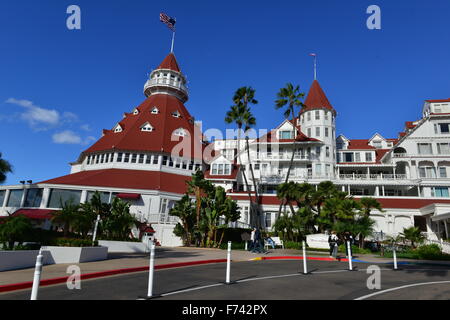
[315,64]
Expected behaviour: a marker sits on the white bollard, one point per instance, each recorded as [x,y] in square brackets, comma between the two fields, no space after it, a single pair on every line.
[395,258]
[228,263]
[37,276]
[151,269]
[246,245]
[95,229]
[349,254]
[305,269]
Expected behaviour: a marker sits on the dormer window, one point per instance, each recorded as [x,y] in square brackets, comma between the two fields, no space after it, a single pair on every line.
[155,110]
[176,114]
[118,128]
[147,127]
[135,111]
[180,132]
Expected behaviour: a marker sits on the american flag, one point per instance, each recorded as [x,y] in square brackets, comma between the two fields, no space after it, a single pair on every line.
[170,22]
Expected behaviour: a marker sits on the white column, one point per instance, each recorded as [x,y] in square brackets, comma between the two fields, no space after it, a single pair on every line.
[446,228]
[45,197]
[83,198]
[382,190]
[7,193]
[377,191]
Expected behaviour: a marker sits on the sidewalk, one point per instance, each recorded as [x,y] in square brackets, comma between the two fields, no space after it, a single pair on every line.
[171,255]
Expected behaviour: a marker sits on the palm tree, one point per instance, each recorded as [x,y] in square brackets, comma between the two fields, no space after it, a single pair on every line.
[240,115]
[15,229]
[197,186]
[67,215]
[288,193]
[121,221]
[5,167]
[367,205]
[289,96]
[185,211]
[412,234]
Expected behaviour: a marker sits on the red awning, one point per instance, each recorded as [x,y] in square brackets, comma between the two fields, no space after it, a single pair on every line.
[128,196]
[39,214]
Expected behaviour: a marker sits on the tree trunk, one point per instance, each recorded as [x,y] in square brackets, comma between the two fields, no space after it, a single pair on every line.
[257,207]
[290,162]
[252,209]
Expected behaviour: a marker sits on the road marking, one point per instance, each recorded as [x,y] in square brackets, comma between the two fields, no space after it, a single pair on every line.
[399,288]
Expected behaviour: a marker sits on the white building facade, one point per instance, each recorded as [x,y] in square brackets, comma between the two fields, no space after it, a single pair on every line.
[138,160]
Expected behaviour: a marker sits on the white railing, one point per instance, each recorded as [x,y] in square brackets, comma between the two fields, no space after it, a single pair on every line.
[445,246]
[168,82]
[286,156]
[162,218]
[355,176]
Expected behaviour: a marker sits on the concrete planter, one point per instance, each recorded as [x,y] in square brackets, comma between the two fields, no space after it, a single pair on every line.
[124,246]
[20,259]
[76,254]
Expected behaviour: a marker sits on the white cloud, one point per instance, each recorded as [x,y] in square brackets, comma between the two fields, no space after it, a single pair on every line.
[37,116]
[67,137]
[85,127]
[34,114]
[70,137]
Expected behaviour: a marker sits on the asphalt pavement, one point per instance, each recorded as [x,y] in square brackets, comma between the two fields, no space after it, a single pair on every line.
[261,280]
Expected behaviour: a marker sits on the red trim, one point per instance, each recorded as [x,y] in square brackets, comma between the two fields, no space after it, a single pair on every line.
[38,214]
[48,282]
[128,196]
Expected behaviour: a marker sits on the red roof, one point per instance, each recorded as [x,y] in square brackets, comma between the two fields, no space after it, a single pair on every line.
[126,179]
[170,63]
[359,144]
[316,98]
[38,214]
[132,138]
[433,101]
[410,124]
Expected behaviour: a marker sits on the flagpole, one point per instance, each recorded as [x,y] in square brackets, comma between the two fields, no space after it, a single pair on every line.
[173,41]
[315,67]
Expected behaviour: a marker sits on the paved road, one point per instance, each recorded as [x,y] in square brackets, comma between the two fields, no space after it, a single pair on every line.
[258,280]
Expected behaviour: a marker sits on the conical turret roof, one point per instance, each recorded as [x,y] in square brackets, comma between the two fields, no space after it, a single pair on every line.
[170,62]
[317,99]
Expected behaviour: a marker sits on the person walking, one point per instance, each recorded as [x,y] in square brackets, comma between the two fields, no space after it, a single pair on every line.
[348,238]
[333,242]
[252,240]
[257,242]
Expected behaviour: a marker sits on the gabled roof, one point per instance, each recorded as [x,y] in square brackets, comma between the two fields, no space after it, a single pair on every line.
[125,179]
[170,62]
[317,99]
[132,138]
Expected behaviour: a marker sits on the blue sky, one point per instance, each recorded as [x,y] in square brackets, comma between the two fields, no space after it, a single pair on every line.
[60,88]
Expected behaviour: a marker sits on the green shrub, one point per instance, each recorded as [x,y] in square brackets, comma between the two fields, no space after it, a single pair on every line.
[69,242]
[429,252]
[424,252]
[292,245]
[234,245]
[355,249]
